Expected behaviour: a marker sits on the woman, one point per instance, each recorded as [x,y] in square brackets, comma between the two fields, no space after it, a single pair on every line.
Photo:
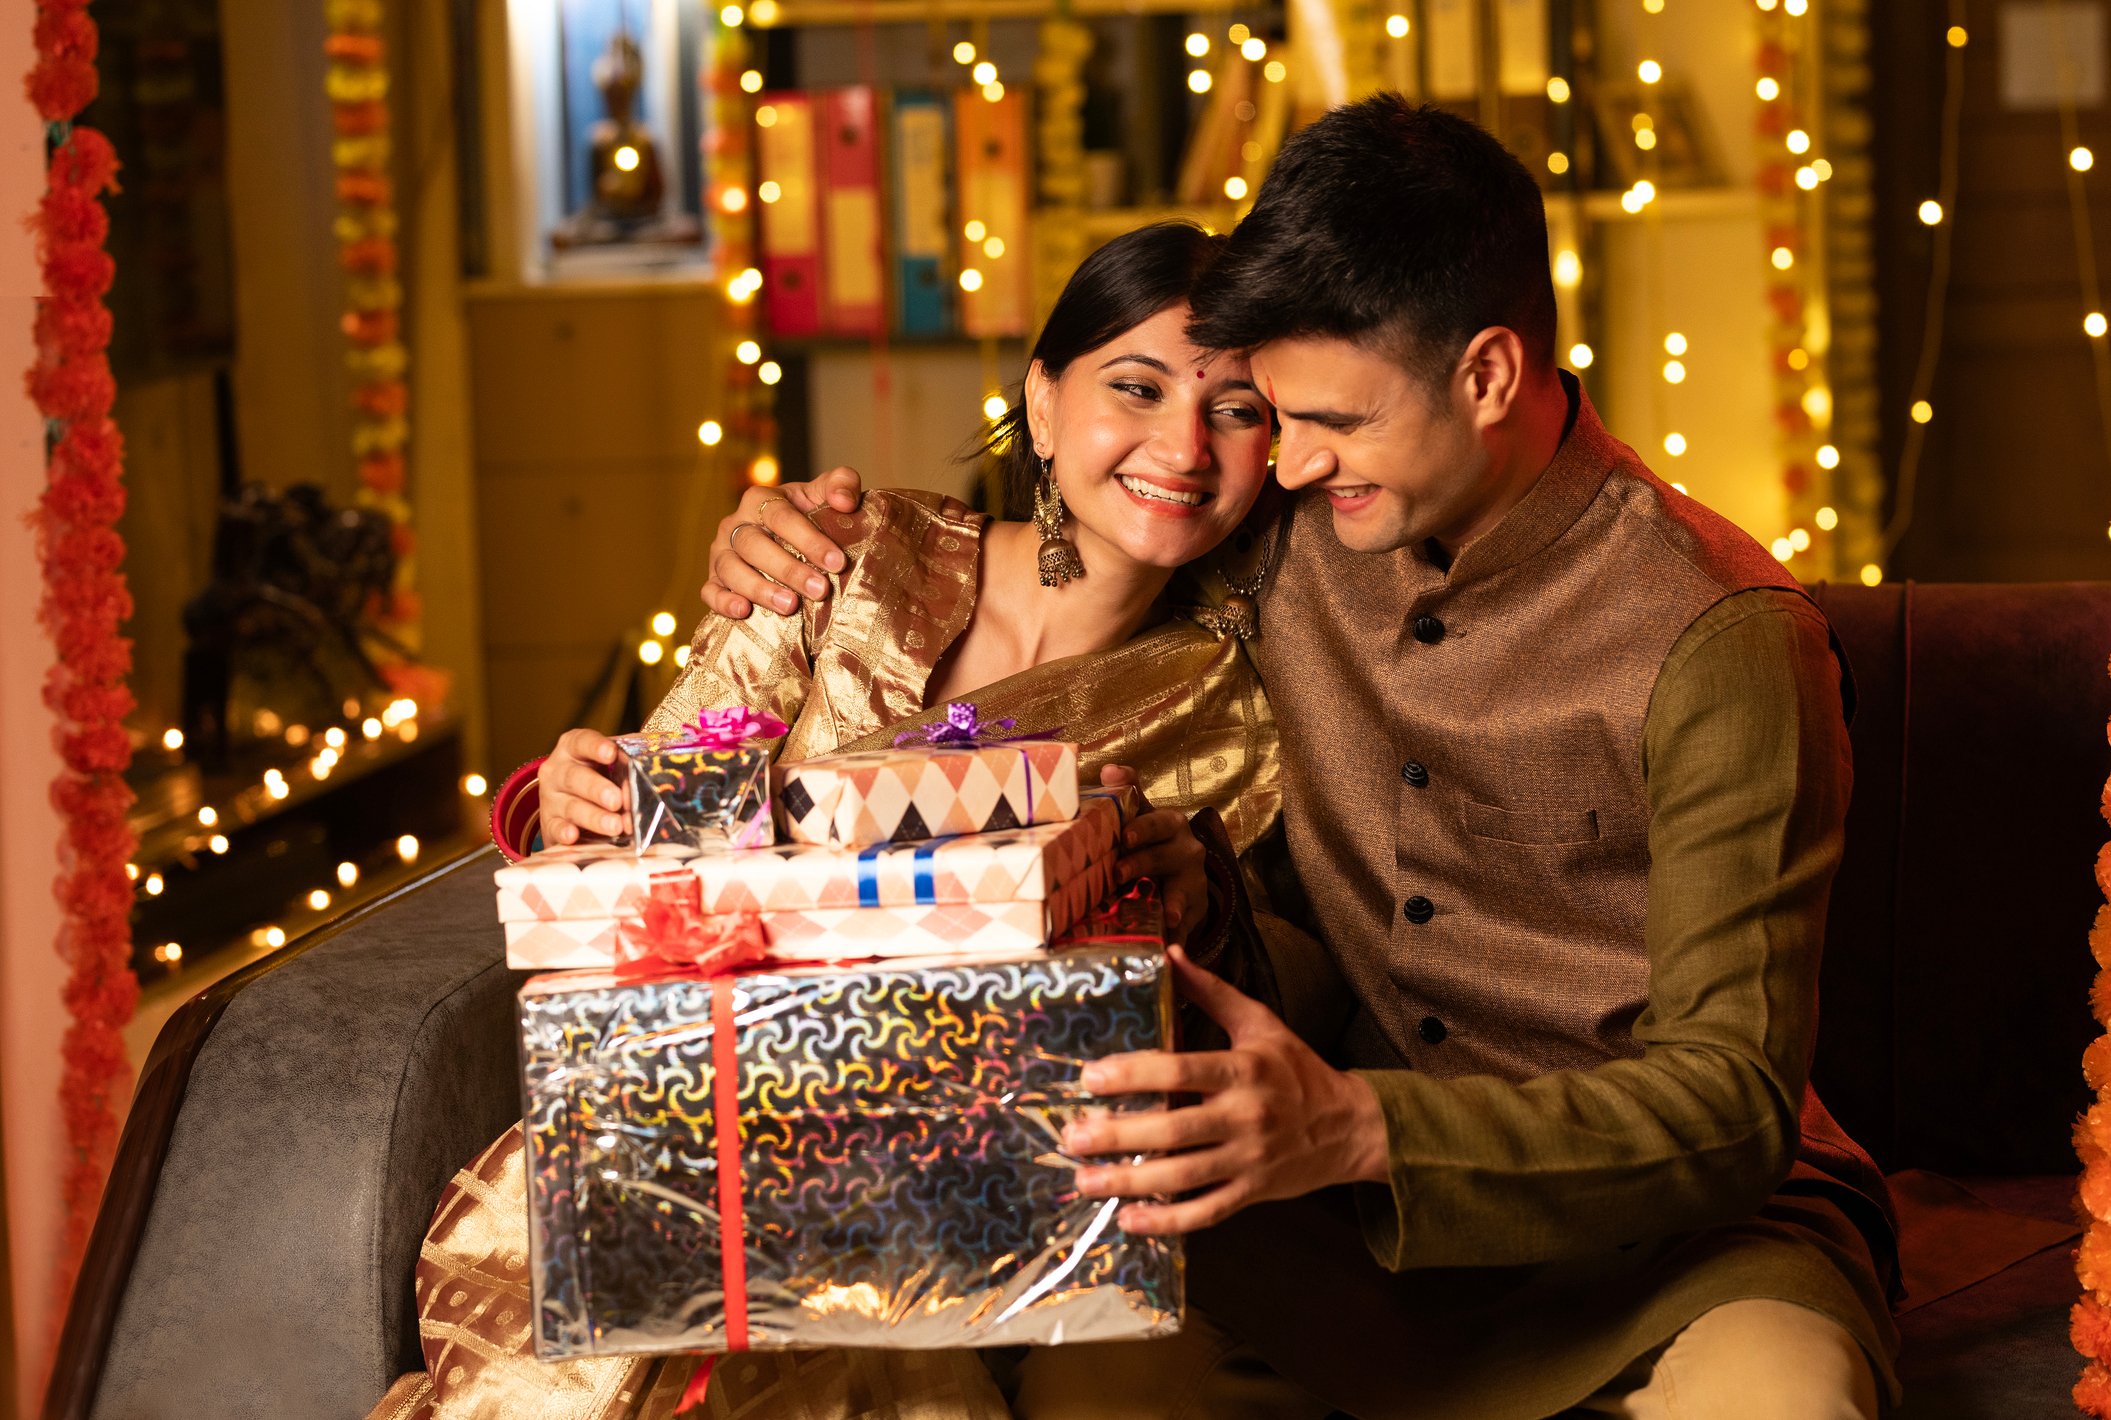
[1138,455]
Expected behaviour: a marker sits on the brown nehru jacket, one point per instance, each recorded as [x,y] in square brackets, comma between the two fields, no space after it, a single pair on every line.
[1572,863]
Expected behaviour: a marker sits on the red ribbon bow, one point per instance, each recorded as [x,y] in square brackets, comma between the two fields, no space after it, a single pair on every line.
[670,928]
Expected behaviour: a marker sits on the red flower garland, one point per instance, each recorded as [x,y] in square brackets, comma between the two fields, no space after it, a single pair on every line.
[2089,1325]
[85,604]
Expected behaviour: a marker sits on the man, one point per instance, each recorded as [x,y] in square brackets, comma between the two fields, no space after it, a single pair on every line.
[1566,769]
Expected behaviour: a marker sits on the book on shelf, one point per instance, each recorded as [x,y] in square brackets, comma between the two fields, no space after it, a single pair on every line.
[790,227]
[991,169]
[853,267]
[920,143]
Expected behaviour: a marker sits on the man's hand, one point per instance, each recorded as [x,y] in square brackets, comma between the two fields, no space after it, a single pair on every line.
[1159,844]
[575,798]
[1275,1121]
[754,568]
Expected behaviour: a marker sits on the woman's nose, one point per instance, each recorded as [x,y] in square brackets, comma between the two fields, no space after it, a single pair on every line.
[1184,446]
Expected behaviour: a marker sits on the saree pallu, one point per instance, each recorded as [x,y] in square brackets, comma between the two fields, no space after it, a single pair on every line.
[1177,703]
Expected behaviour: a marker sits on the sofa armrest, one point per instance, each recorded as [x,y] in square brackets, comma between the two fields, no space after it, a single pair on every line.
[339,1086]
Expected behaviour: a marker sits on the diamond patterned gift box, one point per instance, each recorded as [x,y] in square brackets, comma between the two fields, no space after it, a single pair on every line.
[584,881]
[983,929]
[904,795]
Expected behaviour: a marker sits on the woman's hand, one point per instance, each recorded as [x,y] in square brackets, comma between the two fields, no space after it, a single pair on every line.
[577,799]
[751,570]
[1159,844]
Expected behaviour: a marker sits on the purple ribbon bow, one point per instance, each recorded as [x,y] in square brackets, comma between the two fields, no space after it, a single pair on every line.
[962,726]
[731,727]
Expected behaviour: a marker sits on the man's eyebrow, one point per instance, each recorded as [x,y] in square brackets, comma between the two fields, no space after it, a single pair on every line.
[1153,361]
[1322,416]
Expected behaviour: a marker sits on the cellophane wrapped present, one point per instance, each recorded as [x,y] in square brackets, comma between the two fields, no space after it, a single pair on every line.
[561,907]
[830,1156]
[704,786]
[927,791]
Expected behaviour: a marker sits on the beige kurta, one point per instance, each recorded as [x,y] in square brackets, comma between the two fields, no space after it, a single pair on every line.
[1565,814]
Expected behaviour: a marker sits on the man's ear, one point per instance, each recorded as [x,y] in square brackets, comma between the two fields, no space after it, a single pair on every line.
[1039,399]
[1494,366]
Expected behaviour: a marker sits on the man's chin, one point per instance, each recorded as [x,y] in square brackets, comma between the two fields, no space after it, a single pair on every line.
[1369,526]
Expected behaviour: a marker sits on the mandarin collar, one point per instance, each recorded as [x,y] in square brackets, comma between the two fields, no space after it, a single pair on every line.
[1585,458]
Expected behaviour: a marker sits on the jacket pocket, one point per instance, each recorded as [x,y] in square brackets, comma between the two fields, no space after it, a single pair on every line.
[1547,826]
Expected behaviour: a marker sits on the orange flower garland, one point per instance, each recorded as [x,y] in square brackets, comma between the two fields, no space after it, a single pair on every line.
[2089,1324]
[366,248]
[85,604]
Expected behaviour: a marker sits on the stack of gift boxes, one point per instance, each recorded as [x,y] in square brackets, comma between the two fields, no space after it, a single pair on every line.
[812,1093]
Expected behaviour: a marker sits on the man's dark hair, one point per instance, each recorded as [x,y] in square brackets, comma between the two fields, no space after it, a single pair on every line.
[1118,287]
[1406,229]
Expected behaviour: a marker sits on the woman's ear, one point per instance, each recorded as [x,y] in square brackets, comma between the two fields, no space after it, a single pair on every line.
[1040,406]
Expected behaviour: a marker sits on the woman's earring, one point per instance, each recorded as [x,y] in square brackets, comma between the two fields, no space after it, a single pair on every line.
[1059,560]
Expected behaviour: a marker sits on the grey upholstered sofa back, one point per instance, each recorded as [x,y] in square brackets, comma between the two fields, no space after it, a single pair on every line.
[332,1101]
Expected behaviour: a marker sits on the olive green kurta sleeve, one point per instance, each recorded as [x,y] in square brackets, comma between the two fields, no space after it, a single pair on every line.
[1745,758]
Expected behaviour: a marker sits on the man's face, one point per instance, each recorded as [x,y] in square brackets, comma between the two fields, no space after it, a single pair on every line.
[1399,460]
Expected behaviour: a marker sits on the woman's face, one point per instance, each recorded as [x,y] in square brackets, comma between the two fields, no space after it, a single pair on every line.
[1159,448]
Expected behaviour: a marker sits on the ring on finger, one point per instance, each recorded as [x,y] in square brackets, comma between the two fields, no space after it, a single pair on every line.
[733,537]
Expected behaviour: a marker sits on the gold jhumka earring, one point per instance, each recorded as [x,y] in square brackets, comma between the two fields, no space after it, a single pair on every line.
[1059,560]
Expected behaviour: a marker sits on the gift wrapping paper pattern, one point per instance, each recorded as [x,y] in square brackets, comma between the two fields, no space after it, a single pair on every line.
[684,794]
[1013,865]
[586,880]
[984,928]
[929,791]
[902,1182]
[562,946]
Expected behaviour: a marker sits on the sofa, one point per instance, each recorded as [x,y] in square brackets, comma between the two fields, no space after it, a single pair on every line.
[296,1122]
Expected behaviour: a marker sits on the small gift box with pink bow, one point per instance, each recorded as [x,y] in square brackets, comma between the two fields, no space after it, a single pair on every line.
[704,786]
[961,775]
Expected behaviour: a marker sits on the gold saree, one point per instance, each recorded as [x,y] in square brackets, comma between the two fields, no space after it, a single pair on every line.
[1177,703]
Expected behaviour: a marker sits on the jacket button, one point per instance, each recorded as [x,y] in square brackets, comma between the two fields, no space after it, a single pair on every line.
[1428,630]
[1415,773]
[1418,909]
[1432,1030]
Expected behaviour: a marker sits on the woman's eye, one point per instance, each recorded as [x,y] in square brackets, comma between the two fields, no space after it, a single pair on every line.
[1244,414]
[1138,391]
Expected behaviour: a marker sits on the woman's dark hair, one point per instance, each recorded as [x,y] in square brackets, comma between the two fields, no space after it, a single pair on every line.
[1117,288]
[1406,229]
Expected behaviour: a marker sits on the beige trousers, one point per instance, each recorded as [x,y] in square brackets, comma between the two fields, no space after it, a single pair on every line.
[1747,1360]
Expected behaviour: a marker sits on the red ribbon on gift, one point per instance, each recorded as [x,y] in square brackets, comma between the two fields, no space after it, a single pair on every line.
[670,928]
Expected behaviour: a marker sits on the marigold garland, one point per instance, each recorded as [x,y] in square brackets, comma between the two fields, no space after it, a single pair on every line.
[85,603]
[2089,1325]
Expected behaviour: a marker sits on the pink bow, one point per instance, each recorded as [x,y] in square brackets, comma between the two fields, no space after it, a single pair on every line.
[731,727]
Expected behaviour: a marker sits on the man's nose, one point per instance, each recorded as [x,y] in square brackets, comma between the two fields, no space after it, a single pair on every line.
[1298,460]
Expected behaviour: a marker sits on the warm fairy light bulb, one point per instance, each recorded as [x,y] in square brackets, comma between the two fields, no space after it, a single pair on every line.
[1957,36]
[1580,355]
[1253,49]
[769,192]
[1681,488]
[747,352]
[650,652]
[1396,26]
[1646,139]
[1922,411]
[731,16]
[318,899]
[370,727]
[970,279]
[1768,88]
[993,248]
[1796,7]
[625,158]
[975,230]
[208,816]
[1557,163]
[963,53]
[132,872]
[1799,359]
[1675,444]
[296,735]
[1783,258]
[170,952]
[1238,34]
[277,788]
[407,848]
[751,81]
[155,884]
[1930,213]
[1568,268]
[663,623]
[770,372]
[1799,539]
[681,655]
[1235,188]
[1828,456]
[1822,168]
[2081,159]
[734,199]
[1558,89]
[994,408]
[1782,549]
[709,433]
[334,737]
[764,471]
[473,785]
[763,12]
[1807,178]
[1674,372]
[347,874]
[984,73]
[1277,71]
[172,738]
[1674,343]
[766,116]
[1653,7]
[1649,71]
[1198,81]
[274,936]
[1827,518]
[2093,324]
[1817,402]
[217,843]
[993,90]
[1798,141]
[1198,45]
[1872,575]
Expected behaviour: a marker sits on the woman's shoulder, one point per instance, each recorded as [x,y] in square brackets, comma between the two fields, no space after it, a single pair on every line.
[905,516]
